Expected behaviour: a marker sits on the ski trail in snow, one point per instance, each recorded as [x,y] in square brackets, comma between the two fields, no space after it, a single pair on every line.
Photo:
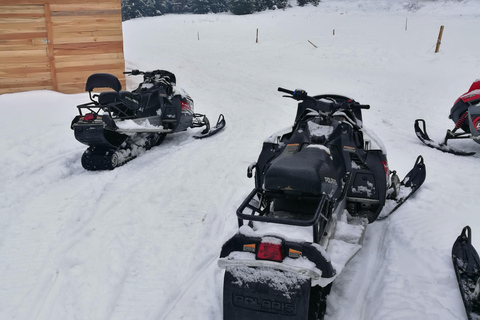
[360,277]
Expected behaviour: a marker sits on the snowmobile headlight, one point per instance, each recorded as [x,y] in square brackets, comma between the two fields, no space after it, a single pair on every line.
[270,251]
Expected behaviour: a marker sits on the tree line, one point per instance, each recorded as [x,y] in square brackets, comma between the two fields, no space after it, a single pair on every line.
[149,8]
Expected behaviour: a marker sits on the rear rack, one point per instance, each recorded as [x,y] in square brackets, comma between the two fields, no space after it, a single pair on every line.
[261,212]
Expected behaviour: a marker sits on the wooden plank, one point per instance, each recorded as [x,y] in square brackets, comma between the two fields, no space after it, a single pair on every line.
[112,12]
[95,56]
[9,72]
[78,6]
[5,55]
[23,59]
[23,35]
[85,48]
[21,47]
[10,28]
[20,15]
[87,28]
[62,35]
[92,68]
[99,20]
[67,64]
[64,40]
[12,66]
[31,74]
[42,2]
[23,9]
[15,20]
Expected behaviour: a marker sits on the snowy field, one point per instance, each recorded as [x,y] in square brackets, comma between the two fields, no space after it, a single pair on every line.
[141,241]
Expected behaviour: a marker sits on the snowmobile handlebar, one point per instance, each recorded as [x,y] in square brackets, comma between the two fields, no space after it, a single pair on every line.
[134,72]
[298,94]
[301,95]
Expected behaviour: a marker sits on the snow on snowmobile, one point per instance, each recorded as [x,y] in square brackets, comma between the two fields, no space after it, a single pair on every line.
[465,113]
[119,125]
[318,184]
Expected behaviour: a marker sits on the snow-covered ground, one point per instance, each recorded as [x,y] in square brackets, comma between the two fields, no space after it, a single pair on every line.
[141,241]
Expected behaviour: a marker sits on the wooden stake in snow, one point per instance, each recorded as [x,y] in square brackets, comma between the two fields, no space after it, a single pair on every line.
[312,43]
[198,35]
[439,41]
[406,23]
[257,37]
[333,31]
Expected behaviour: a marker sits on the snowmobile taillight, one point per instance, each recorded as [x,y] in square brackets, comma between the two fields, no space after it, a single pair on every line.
[270,251]
[89,117]
[385,167]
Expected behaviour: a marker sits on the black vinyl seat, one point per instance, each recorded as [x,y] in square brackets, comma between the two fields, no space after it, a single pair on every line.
[308,171]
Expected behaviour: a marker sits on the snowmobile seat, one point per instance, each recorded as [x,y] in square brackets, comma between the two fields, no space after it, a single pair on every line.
[309,171]
[108,97]
[102,80]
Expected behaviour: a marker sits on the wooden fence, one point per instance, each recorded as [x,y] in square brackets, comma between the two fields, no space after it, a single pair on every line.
[57,44]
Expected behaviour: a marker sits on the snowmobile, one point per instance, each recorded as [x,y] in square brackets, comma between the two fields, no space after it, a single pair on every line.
[318,184]
[465,113]
[119,125]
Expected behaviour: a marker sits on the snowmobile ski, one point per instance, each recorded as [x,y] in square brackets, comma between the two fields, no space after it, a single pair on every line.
[467,269]
[208,132]
[406,188]
[421,132]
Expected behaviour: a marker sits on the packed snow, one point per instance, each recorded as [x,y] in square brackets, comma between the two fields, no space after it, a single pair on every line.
[142,241]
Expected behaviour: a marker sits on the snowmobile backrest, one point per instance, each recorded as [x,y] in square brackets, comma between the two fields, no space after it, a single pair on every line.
[102,80]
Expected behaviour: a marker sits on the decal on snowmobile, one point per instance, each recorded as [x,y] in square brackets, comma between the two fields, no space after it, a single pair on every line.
[124,124]
[317,186]
[471,96]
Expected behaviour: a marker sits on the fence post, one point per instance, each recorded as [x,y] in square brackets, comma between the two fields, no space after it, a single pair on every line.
[439,41]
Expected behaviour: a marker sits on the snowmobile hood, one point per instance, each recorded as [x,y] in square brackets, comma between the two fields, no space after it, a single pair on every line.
[472,94]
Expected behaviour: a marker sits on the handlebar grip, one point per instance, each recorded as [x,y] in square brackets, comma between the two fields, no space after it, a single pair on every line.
[364,106]
[285,90]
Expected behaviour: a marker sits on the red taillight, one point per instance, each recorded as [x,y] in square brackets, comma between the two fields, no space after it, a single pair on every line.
[89,117]
[385,167]
[270,251]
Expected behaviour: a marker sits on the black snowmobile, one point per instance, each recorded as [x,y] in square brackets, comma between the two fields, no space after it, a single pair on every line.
[317,186]
[465,113]
[118,125]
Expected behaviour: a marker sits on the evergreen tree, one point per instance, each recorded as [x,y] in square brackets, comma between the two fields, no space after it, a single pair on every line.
[301,3]
[200,6]
[142,8]
[218,6]
[242,6]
